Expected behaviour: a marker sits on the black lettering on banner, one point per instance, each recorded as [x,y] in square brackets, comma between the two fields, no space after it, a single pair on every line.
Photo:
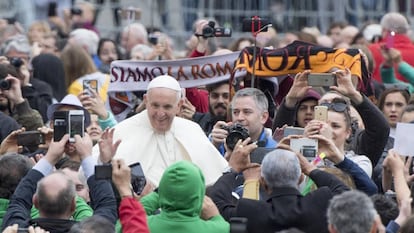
[284,58]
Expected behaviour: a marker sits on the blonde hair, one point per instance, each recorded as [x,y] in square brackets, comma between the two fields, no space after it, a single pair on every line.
[76,63]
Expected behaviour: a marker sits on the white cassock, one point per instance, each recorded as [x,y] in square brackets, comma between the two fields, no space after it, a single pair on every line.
[184,141]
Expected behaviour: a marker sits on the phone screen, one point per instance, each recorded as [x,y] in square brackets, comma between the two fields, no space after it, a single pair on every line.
[138,180]
[76,125]
[89,85]
[60,125]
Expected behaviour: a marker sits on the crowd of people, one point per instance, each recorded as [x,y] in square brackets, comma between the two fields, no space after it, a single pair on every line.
[214,160]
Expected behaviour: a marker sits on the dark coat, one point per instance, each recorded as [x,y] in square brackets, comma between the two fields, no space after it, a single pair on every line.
[286,207]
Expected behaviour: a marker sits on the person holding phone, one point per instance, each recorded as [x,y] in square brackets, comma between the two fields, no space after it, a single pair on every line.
[394,34]
[393,58]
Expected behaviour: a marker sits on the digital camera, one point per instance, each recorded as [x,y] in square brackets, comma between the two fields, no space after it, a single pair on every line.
[5,84]
[236,132]
[211,31]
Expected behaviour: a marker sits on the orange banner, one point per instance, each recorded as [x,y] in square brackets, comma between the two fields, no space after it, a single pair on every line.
[297,57]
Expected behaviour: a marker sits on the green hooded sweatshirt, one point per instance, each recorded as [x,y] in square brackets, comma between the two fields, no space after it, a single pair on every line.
[180,198]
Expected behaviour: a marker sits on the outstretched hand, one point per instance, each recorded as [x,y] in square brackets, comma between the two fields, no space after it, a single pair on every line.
[107,146]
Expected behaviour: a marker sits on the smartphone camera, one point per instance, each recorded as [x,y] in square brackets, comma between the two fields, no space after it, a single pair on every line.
[138,180]
[70,122]
[153,39]
[89,85]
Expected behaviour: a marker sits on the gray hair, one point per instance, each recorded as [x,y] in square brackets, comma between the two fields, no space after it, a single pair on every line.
[281,168]
[19,43]
[351,211]
[139,31]
[86,39]
[395,22]
[258,96]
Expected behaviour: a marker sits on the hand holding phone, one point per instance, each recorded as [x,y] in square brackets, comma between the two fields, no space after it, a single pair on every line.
[322,79]
[89,86]
[321,113]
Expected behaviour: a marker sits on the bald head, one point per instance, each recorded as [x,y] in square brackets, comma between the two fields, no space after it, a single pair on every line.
[55,196]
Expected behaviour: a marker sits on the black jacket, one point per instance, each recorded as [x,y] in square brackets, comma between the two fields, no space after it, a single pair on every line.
[369,141]
[102,201]
[7,125]
[285,207]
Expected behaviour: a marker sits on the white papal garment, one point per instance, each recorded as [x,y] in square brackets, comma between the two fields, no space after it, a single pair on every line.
[185,140]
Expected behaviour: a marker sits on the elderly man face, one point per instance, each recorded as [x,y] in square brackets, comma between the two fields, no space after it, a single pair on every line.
[162,105]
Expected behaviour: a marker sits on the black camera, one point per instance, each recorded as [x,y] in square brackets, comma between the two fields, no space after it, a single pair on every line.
[138,180]
[236,132]
[5,84]
[75,11]
[16,62]
[211,31]
[255,24]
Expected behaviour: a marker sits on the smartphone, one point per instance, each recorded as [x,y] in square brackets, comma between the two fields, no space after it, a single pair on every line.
[153,39]
[389,43]
[238,225]
[306,146]
[60,124]
[255,24]
[138,180]
[321,113]
[103,172]
[321,79]
[293,131]
[89,85]
[22,230]
[76,124]
[30,138]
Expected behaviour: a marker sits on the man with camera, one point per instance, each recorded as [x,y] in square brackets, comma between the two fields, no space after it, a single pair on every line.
[12,102]
[249,114]
[280,174]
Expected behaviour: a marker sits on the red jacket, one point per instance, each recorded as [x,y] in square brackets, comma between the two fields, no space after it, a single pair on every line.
[197,97]
[403,44]
[132,216]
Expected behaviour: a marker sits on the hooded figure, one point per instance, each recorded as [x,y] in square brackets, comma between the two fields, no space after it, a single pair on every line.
[180,198]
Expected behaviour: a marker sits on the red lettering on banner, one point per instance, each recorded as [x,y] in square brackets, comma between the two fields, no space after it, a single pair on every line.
[169,71]
[212,70]
[302,53]
[223,70]
[180,73]
[195,71]
[143,76]
[131,73]
[114,74]
[155,73]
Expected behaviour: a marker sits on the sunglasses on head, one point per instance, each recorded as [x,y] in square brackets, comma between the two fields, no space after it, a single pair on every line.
[336,106]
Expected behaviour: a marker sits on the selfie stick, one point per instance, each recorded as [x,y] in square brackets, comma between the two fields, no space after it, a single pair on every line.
[254,33]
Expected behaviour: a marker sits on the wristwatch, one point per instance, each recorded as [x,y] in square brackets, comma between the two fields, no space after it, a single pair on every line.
[229,170]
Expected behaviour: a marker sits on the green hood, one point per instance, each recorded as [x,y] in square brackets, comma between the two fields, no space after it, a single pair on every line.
[181,190]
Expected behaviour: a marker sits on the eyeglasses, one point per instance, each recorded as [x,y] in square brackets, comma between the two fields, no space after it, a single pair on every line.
[336,106]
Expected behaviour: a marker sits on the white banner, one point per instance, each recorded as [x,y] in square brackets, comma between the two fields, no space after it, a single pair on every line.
[189,72]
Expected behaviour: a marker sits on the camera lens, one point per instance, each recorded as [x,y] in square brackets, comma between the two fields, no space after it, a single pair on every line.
[5,84]
[16,62]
